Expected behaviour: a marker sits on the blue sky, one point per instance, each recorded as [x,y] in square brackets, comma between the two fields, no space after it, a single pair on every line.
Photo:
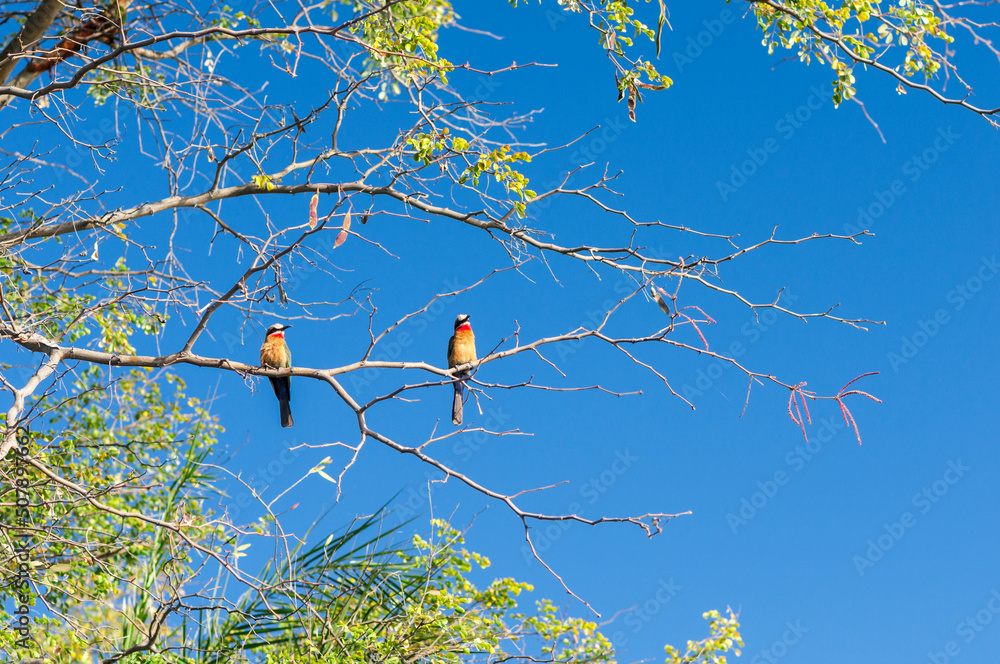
[878,552]
[829,551]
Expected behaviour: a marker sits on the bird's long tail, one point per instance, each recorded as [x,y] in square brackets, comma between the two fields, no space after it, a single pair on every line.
[456,404]
[286,413]
[282,390]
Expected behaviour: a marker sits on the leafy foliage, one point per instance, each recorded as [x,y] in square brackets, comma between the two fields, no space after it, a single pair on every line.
[134,583]
[725,636]
[401,44]
[130,560]
[841,36]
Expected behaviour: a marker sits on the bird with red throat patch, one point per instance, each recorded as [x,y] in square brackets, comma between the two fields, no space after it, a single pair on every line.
[461,350]
[275,353]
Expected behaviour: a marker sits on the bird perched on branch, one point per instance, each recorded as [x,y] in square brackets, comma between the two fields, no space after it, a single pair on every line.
[461,350]
[275,353]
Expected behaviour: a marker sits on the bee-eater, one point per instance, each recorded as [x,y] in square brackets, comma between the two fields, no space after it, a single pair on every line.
[461,349]
[275,353]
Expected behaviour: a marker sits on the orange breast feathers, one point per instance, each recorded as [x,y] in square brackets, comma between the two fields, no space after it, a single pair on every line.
[275,353]
[464,349]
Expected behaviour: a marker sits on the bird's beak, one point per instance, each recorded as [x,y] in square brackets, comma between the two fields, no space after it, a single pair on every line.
[286,327]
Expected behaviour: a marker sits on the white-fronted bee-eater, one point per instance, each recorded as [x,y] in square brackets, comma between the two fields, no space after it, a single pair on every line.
[275,353]
[461,350]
